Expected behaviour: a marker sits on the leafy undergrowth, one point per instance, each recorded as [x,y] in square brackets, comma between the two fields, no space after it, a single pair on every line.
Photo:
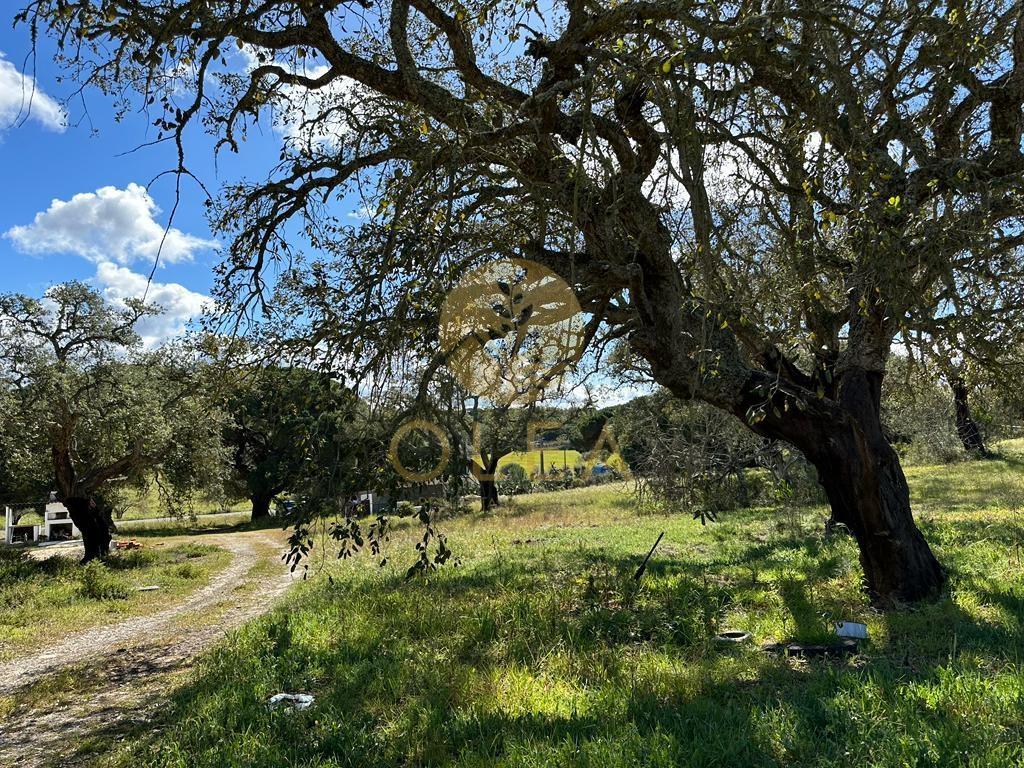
[541,650]
[46,599]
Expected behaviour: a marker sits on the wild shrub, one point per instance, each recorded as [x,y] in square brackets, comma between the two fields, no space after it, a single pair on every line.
[16,564]
[513,480]
[99,583]
[187,571]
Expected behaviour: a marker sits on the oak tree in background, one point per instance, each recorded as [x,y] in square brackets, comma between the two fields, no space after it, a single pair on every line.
[496,432]
[973,340]
[760,197]
[85,401]
[277,419]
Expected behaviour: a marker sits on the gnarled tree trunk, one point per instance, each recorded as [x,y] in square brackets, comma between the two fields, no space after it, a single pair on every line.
[867,490]
[488,495]
[94,524]
[487,477]
[86,513]
[261,505]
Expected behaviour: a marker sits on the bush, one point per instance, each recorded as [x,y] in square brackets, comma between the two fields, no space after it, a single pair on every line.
[187,571]
[16,564]
[133,558]
[513,480]
[98,583]
[559,480]
[917,411]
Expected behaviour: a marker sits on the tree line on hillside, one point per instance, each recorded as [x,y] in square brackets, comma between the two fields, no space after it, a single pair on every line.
[90,413]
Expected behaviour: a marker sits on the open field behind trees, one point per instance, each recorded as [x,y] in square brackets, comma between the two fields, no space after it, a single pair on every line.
[143,505]
[530,460]
[540,651]
[147,505]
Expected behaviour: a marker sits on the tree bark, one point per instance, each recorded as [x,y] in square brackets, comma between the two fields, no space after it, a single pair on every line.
[868,493]
[967,428]
[489,486]
[89,518]
[261,506]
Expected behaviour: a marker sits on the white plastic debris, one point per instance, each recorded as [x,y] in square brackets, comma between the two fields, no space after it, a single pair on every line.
[852,629]
[152,588]
[297,701]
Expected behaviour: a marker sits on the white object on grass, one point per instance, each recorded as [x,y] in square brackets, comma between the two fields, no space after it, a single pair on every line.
[293,700]
[852,629]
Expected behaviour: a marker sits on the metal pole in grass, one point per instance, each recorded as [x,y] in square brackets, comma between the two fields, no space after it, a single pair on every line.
[643,566]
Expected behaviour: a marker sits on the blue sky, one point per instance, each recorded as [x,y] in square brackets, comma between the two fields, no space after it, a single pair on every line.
[109,213]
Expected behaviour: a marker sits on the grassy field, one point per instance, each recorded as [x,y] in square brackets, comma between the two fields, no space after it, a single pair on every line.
[50,598]
[530,460]
[540,650]
[147,506]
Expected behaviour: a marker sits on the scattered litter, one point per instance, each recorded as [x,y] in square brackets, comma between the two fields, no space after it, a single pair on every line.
[732,636]
[852,629]
[297,701]
[844,647]
[130,544]
[152,588]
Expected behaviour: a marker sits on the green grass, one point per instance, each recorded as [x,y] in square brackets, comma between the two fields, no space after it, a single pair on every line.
[43,600]
[147,505]
[530,460]
[210,523]
[539,649]
[143,505]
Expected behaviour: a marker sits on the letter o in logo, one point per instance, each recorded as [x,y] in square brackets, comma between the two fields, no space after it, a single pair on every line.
[425,426]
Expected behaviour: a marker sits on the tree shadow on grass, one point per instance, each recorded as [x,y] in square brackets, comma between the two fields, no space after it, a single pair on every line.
[534,661]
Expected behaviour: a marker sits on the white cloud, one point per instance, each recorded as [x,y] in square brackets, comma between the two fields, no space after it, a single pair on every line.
[321,117]
[178,303]
[312,118]
[21,99]
[109,224]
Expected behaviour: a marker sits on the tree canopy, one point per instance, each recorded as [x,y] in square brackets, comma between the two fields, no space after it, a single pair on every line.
[277,420]
[760,198]
[88,409]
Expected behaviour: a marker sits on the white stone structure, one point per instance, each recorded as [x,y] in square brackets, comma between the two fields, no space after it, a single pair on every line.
[17,533]
[57,523]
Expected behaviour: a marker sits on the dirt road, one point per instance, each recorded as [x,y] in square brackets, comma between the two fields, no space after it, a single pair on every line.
[124,668]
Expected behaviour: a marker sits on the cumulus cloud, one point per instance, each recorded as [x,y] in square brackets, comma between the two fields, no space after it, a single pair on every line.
[108,225]
[179,304]
[312,118]
[21,99]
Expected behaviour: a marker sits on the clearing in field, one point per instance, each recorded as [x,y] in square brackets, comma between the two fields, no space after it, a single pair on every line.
[531,460]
